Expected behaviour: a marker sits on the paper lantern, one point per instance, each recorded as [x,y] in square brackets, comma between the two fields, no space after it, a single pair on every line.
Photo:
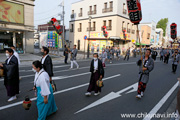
[56,25]
[173,30]
[134,11]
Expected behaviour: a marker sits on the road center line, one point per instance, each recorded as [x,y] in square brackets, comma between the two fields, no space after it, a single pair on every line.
[150,115]
[58,92]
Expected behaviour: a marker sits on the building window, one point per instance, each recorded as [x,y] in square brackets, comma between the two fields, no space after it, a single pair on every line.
[104,23]
[124,9]
[133,31]
[80,27]
[148,36]
[72,28]
[92,12]
[106,9]
[109,27]
[123,26]
[80,14]
[128,28]
[94,26]
[72,14]
[89,28]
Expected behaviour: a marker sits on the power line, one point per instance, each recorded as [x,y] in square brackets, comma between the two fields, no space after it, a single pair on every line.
[46,18]
[47,10]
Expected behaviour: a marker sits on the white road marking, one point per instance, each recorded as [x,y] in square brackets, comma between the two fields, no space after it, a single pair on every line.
[65,77]
[58,92]
[150,115]
[110,97]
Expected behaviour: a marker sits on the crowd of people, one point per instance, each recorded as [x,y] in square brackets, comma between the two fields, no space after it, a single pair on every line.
[44,71]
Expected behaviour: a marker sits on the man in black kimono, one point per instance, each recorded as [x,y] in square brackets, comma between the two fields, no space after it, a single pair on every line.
[97,72]
[46,62]
[154,54]
[66,51]
[11,75]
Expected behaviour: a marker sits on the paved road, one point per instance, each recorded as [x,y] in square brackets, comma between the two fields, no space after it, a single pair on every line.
[117,97]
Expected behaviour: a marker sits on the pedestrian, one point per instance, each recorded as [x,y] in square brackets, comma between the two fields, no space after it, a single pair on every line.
[154,54]
[45,99]
[175,61]
[92,49]
[46,62]
[144,71]
[11,75]
[103,57]
[73,57]
[112,51]
[161,54]
[127,54]
[166,57]
[16,54]
[134,52]
[66,51]
[108,53]
[118,53]
[98,49]
[97,73]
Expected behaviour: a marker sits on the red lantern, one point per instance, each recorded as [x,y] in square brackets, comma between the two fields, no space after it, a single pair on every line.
[105,33]
[134,11]
[56,25]
[173,30]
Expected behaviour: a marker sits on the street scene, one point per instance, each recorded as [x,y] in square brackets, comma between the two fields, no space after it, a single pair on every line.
[89,59]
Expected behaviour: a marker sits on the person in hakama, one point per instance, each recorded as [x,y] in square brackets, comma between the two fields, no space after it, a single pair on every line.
[16,54]
[45,99]
[11,75]
[103,57]
[144,70]
[97,72]
[73,53]
[46,62]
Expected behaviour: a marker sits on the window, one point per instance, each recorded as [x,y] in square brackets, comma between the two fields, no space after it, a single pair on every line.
[94,7]
[80,27]
[111,4]
[105,5]
[110,23]
[148,36]
[104,23]
[80,14]
[72,11]
[80,10]
[90,8]
[94,24]
[72,28]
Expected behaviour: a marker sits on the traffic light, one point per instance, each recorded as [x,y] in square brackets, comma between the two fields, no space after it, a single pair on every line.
[173,30]
[134,11]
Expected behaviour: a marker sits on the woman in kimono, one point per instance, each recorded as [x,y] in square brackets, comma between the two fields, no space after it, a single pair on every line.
[45,100]
[11,75]
[97,72]
[144,70]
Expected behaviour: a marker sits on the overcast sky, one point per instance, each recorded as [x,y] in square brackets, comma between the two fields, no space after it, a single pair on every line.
[151,9]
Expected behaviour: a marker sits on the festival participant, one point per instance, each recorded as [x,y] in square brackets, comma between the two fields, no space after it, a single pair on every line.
[11,72]
[97,72]
[166,57]
[175,61]
[154,54]
[144,70]
[118,53]
[127,54]
[45,99]
[16,54]
[103,57]
[73,57]
[46,62]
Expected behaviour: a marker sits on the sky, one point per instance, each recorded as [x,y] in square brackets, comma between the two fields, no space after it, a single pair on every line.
[152,10]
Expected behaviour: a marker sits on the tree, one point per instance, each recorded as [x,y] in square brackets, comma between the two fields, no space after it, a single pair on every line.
[163,24]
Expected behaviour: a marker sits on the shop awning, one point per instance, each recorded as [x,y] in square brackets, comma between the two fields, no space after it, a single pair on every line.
[113,39]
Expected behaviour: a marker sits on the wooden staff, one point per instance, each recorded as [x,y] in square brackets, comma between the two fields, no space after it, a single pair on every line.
[139,43]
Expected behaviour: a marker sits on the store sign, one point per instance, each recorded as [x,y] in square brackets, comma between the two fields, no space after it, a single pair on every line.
[134,10]
[96,35]
[53,39]
[11,12]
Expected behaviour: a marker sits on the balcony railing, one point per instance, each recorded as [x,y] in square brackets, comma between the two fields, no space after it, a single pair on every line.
[91,29]
[72,16]
[128,30]
[133,31]
[109,27]
[92,12]
[124,11]
[79,30]
[80,14]
[105,10]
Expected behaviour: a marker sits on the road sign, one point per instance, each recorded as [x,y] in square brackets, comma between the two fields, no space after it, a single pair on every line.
[85,37]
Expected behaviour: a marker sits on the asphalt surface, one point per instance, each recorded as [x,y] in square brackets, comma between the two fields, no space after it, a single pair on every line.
[109,105]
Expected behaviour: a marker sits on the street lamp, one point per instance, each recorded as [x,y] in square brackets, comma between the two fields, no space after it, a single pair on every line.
[89,35]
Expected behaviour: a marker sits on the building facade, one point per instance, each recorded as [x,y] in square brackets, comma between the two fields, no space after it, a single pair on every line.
[17,25]
[145,35]
[159,37]
[89,16]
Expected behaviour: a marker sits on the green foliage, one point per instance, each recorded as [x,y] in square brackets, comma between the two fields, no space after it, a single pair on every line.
[163,24]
